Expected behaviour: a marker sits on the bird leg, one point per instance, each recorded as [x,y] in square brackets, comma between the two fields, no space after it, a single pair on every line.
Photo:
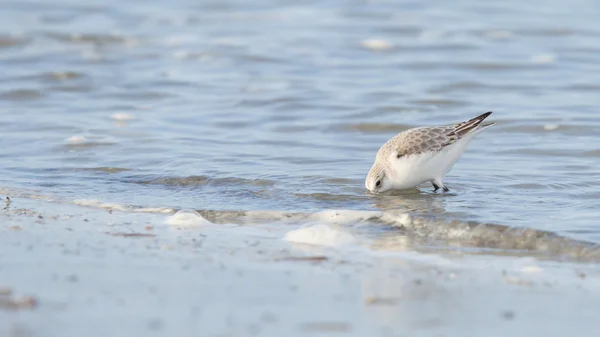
[437,184]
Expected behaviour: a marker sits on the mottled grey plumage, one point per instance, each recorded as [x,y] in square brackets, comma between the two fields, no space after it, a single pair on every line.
[421,154]
[426,139]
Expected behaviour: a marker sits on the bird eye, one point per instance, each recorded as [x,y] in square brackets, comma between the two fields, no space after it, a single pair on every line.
[378,183]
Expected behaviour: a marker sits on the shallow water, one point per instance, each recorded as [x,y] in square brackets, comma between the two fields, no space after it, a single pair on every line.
[268,113]
[274,105]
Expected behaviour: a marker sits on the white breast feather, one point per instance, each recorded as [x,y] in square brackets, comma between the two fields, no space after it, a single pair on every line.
[413,170]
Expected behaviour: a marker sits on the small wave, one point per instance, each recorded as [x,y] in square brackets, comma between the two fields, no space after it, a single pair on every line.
[554,126]
[95,39]
[60,76]
[490,66]
[391,230]
[373,127]
[120,207]
[21,95]
[543,32]
[428,232]
[82,143]
[328,196]
[204,180]
[593,153]
[498,34]
[460,86]
[439,102]
[7,41]
[105,169]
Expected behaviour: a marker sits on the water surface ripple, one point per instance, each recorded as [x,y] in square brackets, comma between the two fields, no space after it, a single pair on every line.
[278,105]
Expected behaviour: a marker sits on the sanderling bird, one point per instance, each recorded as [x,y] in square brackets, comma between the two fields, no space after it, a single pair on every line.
[422,154]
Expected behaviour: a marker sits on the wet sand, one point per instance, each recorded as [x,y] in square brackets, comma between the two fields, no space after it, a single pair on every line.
[71,270]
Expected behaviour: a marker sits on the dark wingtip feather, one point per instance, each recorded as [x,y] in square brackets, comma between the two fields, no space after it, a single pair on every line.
[466,127]
[481,117]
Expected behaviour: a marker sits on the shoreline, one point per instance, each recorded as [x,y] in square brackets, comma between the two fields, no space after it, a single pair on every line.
[239,280]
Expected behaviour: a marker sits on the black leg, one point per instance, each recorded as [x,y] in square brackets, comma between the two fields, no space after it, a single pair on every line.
[446,189]
[435,186]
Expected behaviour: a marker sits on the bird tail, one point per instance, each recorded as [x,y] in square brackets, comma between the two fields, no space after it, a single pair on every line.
[473,124]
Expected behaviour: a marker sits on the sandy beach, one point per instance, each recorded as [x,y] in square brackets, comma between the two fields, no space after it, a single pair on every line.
[70,270]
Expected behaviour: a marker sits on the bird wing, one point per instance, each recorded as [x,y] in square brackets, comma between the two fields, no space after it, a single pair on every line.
[429,139]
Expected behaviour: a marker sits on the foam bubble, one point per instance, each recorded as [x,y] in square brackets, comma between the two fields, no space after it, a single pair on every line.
[532,269]
[339,217]
[322,235]
[122,117]
[402,219]
[77,139]
[187,218]
[119,207]
[543,59]
[376,44]
[181,54]
[550,127]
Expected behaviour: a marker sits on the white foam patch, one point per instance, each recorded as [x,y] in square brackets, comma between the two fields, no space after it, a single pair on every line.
[532,269]
[77,139]
[181,54]
[122,117]
[322,235]
[187,218]
[25,194]
[550,127]
[340,217]
[403,219]
[119,207]
[543,59]
[376,44]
